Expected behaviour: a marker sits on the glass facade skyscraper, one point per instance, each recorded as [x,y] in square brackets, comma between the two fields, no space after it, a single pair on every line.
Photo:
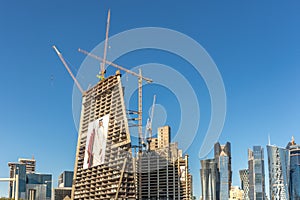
[216,174]
[294,184]
[256,173]
[223,159]
[278,159]
[209,179]
[244,176]
[224,177]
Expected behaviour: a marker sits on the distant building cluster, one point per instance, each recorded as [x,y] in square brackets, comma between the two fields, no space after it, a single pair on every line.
[283,167]
[26,184]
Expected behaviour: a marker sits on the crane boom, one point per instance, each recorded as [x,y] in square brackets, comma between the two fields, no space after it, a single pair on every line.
[102,70]
[68,69]
[7,179]
[148,131]
[148,80]
[151,115]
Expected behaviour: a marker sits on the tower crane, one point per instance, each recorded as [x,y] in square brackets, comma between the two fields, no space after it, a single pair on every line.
[149,124]
[68,69]
[140,85]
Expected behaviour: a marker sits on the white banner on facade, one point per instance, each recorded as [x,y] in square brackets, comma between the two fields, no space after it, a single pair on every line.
[96,142]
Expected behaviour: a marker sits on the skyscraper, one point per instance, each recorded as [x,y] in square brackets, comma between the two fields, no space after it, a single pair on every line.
[223,160]
[256,173]
[209,179]
[103,165]
[244,176]
[216,174]
[278,159]
[294,185]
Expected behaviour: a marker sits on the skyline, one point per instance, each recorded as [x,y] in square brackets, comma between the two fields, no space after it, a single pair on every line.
[255,47]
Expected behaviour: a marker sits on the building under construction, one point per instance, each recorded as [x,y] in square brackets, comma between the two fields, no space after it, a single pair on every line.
[160,172]
[112,177]
[104,166]
[163,171]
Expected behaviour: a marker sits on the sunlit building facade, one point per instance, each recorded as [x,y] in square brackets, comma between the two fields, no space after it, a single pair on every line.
[103,164]
[209,179]
[244,176]
[294,185]
[223,160]
[256,173]
[278,159]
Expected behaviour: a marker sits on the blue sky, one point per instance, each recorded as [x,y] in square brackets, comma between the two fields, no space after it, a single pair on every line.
[255,45]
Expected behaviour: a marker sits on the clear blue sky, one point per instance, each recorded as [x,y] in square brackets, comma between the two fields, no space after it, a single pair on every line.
[255,44]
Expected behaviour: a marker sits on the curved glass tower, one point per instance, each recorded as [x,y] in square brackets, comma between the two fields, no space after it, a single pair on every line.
[278,159]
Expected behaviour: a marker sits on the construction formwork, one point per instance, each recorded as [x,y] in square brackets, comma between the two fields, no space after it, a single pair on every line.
[113,179]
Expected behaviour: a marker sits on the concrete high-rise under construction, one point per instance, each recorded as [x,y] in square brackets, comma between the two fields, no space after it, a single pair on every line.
[30,164]
[103,166]
[163,171]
